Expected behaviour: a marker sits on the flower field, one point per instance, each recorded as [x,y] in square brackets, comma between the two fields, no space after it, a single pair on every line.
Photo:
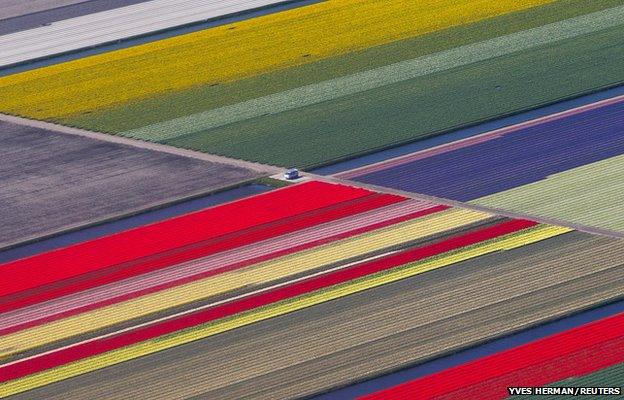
[245,43]
[566,167]
[58,37]
[534,364]
[203,274]
[168,88]
[320,199]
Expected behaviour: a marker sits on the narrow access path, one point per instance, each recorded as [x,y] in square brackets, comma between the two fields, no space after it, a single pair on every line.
[262,168]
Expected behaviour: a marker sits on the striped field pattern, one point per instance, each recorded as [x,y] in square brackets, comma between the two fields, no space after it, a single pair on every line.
[287,45]
[424,61]
[302,246]
[576,352]
[566,166]
[112,25]
[608,377]
[222,261]
[506,221]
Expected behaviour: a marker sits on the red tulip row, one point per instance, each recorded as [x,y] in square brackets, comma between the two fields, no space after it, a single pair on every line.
[94,347]
[86,265]
[576,352]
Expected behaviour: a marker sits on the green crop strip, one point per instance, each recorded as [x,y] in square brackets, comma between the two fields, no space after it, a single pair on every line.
[181,103]
[423,106]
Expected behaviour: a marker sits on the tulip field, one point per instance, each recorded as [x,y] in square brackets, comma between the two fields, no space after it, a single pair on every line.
[171,90]
[281,252]
[567,167]
[525,366]
[311,199]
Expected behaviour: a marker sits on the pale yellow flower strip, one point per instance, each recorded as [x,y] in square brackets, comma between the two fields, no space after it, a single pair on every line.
[246,277]
[152,346]
[235,51]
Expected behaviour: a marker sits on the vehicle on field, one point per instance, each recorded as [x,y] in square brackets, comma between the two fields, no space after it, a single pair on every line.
[291,173]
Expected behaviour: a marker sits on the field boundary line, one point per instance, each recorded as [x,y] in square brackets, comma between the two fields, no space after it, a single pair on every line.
[458,204]
[403,159]
[154,206]
[264,169]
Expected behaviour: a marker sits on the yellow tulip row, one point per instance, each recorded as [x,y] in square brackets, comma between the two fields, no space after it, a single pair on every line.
[233,52]
[508,242]
[254,275]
